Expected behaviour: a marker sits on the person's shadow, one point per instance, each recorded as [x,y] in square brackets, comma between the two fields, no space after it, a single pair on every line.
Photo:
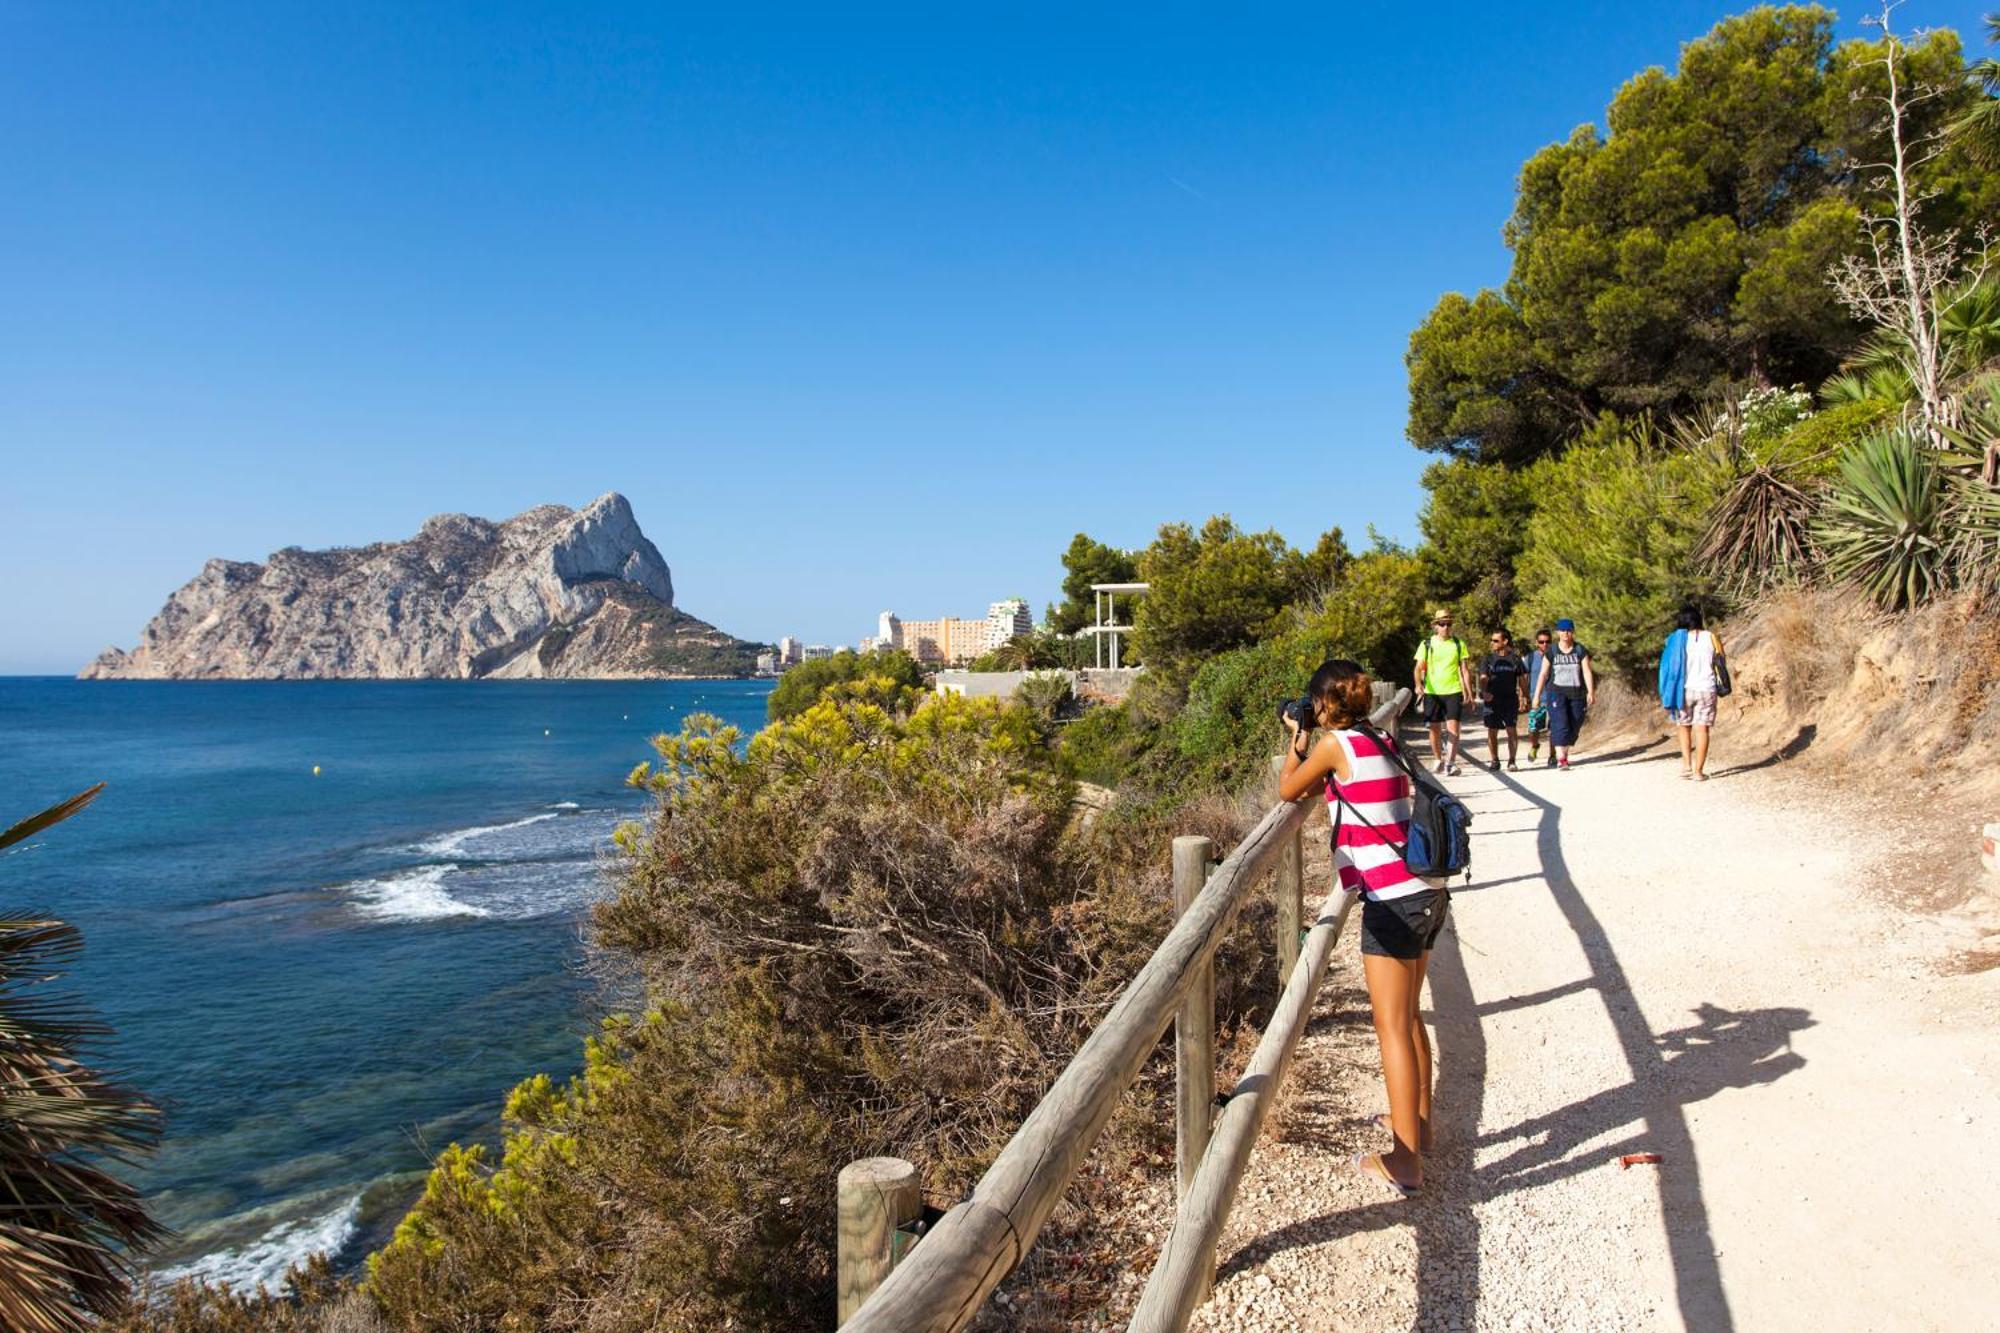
[1721,1049]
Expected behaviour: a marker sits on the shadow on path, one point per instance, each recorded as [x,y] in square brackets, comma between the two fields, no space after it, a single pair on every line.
[1448,1292]
[1721,1049]
[1626,755]
[1791,749]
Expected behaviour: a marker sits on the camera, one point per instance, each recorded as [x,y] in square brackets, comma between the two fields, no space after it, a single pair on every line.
[1299,711]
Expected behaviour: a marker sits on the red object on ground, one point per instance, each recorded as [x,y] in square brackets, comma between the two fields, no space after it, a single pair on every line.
[1632,1159]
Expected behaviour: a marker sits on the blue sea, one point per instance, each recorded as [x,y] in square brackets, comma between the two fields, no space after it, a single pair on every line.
[325,977]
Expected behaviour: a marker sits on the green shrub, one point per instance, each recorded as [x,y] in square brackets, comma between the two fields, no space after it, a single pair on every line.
[1222,588]
[801,686]
[1376,614]
[1811,449]
[1612,545]
[1474,523]
[1226,735]
[1105,744]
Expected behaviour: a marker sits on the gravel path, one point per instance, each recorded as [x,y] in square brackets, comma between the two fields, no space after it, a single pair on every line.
[1716,973]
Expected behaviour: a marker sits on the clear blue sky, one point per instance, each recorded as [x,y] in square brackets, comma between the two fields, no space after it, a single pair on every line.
[863,308]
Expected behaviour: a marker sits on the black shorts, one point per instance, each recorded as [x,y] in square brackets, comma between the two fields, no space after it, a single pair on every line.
[1403,927]
[1443,707]
[1504,711]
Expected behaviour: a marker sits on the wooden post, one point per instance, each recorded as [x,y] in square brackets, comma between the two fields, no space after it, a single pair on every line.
[1185,1271]
[875,1196]
[1194,1029]
[1289,884]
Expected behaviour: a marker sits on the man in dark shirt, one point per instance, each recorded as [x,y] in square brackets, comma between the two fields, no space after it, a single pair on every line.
[1503,686]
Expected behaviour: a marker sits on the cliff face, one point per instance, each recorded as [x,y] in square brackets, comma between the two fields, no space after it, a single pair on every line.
[552,592]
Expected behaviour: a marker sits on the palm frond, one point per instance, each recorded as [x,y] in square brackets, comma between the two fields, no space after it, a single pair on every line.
[55,814]
[69,1229]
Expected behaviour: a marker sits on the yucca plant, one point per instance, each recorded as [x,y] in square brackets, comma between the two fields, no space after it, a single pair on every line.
[1973,550]
[1885,524]
[1872,384]
[68,1228]
[1759,534]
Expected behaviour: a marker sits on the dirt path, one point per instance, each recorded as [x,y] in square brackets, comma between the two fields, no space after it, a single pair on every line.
[1712,972]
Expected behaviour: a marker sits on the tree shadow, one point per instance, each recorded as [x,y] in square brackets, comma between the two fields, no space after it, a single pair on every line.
[1627,754]
[1791,749]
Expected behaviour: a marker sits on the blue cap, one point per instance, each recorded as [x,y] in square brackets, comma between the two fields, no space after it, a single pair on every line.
[1569,625]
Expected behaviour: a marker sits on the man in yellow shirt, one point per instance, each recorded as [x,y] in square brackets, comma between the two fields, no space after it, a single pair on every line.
[1444,681]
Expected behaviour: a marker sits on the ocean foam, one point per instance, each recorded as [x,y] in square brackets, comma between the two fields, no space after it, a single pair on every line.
[266,1260]
[414,895]
[563,805]
[451,844]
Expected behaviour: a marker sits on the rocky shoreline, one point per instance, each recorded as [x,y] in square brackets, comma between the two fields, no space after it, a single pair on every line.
[550,593]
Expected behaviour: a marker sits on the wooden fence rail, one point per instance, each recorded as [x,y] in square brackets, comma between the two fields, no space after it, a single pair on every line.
[942,1281]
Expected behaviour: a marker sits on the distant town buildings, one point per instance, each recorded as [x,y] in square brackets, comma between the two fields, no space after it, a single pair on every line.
[946,641]
[951,640]
[943,642]
[1007,620]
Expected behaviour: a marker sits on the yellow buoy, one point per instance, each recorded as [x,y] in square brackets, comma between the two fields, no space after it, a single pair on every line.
[315,770]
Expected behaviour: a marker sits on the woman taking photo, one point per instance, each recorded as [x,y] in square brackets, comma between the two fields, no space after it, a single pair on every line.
[1401,915]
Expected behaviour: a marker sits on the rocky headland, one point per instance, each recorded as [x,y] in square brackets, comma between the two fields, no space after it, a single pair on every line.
[553,592]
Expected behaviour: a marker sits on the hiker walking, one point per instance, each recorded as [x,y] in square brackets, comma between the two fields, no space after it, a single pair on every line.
[1569,685]
[1689,687]
[1503,688]
[1444,680]
[1538,716]
[1401,915]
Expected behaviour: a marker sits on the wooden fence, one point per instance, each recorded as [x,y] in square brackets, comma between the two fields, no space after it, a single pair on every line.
[940,1282]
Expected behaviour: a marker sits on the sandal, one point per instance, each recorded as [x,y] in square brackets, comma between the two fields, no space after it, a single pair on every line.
[1382,1123]
[1370,1164]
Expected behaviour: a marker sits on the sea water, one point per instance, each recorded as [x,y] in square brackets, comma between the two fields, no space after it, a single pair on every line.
[326,976]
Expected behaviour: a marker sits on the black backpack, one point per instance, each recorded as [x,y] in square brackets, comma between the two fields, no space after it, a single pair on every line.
[1440,841]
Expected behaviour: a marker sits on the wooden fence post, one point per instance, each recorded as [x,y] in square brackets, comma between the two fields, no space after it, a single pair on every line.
[1194,1028]
[1289,883]
[875,1196]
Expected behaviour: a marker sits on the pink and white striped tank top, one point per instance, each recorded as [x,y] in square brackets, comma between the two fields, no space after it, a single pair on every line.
[1367,858]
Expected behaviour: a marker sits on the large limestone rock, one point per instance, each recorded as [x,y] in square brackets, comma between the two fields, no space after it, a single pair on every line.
[552,592]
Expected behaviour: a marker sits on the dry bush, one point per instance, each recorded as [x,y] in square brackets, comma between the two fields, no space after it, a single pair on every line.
[311,1300]
[865,933]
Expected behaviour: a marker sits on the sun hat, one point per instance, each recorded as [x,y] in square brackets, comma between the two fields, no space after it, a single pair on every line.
[1442,613]
[1569,625]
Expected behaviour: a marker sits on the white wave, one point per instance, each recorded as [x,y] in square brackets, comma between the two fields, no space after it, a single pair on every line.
[451,844]
[414,895]
[266,1259]
[563,805]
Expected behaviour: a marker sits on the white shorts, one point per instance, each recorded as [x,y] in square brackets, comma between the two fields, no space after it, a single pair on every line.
[1700,711]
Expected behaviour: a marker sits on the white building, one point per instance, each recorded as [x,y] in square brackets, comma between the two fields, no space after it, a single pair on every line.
[815,651]
[767,663]
[888,631]
[1007,620]
[790,652]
